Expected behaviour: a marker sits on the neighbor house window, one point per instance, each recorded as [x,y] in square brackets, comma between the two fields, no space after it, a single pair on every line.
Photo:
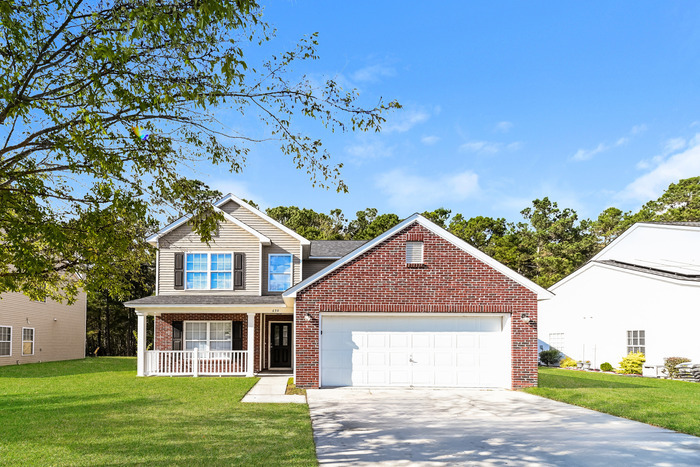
[279,273]
[206,271]
[27,341]
[5,341]
[636,342]
[208,335]
[414,252]
[556,341]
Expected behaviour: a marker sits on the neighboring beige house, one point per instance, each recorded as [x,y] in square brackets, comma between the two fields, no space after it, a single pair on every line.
[33,331]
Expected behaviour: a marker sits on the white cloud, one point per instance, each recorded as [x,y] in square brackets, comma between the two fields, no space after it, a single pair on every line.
[373,73]
[587,154]
[503,127]
[669,147]
[674,144]
[429,140]
[413,193]
[489,147]
[405,120]
[652,184]
[637,129]
[369,150]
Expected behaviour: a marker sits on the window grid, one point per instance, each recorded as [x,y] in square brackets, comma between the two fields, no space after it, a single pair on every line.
[279,276]
[209,271]
[27,341]
[636,341]
[5,341]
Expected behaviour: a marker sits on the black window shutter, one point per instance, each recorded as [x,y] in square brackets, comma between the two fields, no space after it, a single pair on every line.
[238,270]
[177,335]
[237,337]
[179,271]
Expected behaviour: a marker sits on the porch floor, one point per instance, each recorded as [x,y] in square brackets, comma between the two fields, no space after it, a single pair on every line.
[285,372]
[271,389]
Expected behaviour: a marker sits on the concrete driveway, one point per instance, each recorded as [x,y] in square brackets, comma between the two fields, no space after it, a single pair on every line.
[469,427]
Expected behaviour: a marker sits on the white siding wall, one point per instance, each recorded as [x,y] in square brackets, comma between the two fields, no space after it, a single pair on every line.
[595,310]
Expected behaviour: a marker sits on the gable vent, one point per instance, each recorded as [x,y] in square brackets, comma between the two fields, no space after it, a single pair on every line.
[414,252]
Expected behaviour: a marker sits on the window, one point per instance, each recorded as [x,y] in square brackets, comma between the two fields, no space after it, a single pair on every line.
[5,341]
[556,341]
[414,252]
[211,335]
[636,342]
[27,341]
[279,273]
[206,271]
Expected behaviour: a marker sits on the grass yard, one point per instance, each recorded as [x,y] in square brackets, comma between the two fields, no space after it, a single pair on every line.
[670,404]
[96,411]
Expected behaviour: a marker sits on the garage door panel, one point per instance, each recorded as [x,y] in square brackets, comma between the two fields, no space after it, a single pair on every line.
[454,351]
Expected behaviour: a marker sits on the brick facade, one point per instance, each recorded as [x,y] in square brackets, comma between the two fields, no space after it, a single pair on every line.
[449,281]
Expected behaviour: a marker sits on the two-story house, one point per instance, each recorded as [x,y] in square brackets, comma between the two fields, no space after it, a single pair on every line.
[416,306]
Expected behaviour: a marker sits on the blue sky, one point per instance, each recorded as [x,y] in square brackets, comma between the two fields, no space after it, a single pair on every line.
[594,104]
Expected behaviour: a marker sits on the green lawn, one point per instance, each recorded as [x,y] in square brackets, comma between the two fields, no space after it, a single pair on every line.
[666,403]
[96,411]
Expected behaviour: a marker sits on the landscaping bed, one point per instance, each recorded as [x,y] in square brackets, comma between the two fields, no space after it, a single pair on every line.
[96,411]
[666,403]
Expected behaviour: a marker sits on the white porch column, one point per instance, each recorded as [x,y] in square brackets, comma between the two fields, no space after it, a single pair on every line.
[140,344]
[250,361]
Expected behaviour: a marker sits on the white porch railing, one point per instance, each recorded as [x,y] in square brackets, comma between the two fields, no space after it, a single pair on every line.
[196,362]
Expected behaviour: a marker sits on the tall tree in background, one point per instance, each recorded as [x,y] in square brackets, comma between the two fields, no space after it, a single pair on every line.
[484,233]
[101,102]
[369,224]
[309,223]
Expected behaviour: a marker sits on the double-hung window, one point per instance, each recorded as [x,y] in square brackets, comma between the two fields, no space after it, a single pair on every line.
[636,342]
[279,273]
[27,341]
[208,335]
[5,341]
[209,271]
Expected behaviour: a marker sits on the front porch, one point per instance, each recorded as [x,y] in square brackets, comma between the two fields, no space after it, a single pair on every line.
[202,341]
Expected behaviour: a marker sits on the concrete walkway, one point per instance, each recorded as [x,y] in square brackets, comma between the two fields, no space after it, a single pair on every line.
[271,389]
[484,428]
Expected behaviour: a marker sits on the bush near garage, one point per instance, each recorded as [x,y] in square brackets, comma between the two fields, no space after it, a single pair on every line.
[670,365]
[605,366]
[550,357]
[632,364]
[568,363]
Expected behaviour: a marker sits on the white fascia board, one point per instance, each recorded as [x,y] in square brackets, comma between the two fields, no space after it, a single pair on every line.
[263,239]
[257,212]
[542,293]
[580,270]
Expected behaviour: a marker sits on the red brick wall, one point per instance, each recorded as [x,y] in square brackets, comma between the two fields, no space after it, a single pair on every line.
[449,281]
[164,328]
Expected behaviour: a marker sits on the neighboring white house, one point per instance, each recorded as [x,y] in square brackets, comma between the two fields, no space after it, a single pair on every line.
[641,293]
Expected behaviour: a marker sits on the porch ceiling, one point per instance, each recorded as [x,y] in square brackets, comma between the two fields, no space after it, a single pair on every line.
[206,300]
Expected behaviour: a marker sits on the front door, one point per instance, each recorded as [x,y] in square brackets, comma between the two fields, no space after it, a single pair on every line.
[281,345]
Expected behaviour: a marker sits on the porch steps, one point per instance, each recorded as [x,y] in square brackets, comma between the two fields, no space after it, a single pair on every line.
[271,389]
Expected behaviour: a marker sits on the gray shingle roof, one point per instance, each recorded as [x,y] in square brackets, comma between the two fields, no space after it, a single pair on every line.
[686,224]
[655,271]
[206,299]
[333,248]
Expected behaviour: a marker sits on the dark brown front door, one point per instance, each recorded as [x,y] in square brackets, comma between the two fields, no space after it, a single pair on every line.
[281,345]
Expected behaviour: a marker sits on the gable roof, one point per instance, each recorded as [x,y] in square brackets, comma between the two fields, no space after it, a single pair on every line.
[257,212]
[542,293]
[640,225]
[333,249]
[168,228]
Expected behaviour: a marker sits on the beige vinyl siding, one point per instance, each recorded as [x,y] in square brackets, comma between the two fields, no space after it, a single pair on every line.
[59,339]
[282,242]
[230,238]
[312,266]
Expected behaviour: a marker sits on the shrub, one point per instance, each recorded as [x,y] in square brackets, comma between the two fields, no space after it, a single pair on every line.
[605,366]
[632,364]
[670,364]
[568,363]
[550,357]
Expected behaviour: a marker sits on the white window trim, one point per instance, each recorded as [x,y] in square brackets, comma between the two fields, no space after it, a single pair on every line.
[209,271]
[422,253]
[32,341]
[10,354]
[637,345]
[208,349]
[291,270]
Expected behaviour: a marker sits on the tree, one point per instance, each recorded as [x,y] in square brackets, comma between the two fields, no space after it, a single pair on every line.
[679,203]
[609,225]
[101,103]
[438,216]
[309,223]
[368,225]
[481,232]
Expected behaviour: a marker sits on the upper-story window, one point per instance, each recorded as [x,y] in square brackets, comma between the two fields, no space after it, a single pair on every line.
[279,273]
[209,271]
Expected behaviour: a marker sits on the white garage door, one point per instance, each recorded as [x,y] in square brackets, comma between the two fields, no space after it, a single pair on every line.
[404,350]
